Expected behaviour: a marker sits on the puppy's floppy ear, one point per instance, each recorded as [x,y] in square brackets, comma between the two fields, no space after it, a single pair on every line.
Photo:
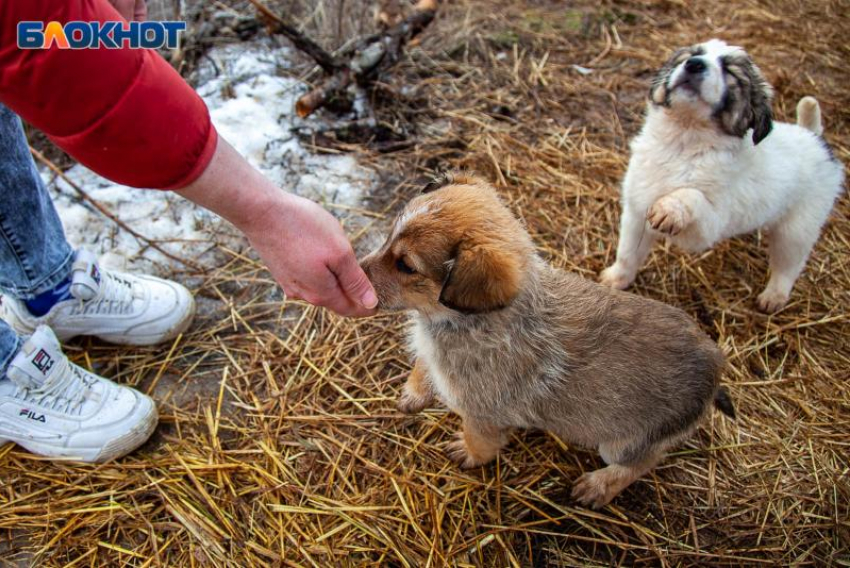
[658,92]
[762,119]
[747,100]
[481,278]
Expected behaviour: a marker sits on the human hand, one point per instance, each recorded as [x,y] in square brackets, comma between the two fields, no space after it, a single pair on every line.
[307,252]
[131,10]
[301,243]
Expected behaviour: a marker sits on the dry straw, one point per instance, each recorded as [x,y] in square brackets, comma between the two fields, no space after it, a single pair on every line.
[280,444]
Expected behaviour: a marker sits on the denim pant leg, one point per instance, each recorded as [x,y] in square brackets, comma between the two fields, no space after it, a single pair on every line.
[10,344]
[34,255]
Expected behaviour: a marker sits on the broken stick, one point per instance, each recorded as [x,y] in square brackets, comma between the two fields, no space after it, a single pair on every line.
[362,63]
[106,212]
[278,25]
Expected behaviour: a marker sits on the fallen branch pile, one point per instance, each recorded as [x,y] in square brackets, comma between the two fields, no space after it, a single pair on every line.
[361,63]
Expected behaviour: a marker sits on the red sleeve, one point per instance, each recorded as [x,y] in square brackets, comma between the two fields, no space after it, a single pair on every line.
[124,113]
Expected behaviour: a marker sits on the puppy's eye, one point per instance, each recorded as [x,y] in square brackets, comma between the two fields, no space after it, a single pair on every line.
[404,267]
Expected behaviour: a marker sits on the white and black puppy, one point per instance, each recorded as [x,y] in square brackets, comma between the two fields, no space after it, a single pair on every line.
[710,163]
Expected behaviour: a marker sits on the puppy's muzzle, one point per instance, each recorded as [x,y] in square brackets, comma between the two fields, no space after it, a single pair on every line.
[695,66]
[692,74]
[368,265]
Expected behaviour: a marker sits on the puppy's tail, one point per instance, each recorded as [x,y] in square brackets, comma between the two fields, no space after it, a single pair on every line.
[723,403]
[808,115]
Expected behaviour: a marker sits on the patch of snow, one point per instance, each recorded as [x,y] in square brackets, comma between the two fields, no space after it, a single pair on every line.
[252,106]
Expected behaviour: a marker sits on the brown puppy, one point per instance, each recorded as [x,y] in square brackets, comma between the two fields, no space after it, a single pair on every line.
[506,341]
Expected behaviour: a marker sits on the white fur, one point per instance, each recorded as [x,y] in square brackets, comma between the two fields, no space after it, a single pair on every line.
[405,218]
[713,84]
[422,346]
[698,185]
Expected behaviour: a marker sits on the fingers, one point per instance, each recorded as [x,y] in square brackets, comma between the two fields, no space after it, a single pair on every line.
[342,305]
[325,292]
[354,282]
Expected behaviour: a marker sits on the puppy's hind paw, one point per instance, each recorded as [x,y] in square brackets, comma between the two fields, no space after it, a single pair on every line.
[459,453]
[596,489]
[589,492]
[771,301]
[668,215]
[615,277]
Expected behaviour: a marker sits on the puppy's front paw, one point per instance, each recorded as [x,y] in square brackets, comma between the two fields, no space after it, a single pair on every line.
[668,215]
[771,301]
[592,489]
[615,277]
[462,455]
[411,402]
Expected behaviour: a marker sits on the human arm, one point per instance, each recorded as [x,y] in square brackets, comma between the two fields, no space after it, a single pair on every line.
[302,244]
[126,114]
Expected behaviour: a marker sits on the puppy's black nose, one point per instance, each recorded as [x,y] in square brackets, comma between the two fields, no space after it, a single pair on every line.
[694,65]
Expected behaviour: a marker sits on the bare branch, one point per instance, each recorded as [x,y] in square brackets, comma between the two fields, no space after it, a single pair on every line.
[278,25]
[370,56]
[106,212]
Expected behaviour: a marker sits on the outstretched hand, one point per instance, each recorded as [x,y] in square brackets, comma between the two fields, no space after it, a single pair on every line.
[308,254]
[302,244]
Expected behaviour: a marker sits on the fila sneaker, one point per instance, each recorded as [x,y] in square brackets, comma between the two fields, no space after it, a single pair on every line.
[54,408]
[112,306]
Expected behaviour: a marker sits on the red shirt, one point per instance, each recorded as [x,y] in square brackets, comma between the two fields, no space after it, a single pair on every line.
[124,113]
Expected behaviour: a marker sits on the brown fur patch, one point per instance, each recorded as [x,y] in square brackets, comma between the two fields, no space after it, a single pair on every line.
[417,391]
[477,444]
[450,178]
[482,278]
[467,251]
[746,101]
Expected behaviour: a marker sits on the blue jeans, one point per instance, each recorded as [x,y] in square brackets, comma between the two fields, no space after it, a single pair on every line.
[34,255]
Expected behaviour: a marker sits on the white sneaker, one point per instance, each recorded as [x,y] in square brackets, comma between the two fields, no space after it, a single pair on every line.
[112,306]
[54,408]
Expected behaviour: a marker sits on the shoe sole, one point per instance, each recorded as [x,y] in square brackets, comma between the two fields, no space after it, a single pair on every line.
[125,444]
[113,449]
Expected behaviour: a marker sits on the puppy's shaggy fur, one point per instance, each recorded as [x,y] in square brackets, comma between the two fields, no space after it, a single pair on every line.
[710,163]
[506,341]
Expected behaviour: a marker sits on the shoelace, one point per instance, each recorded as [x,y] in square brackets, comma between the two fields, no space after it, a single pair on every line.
[65,395]
[115,296]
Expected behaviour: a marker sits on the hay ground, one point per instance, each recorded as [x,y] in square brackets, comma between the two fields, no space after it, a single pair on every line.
[279,442]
